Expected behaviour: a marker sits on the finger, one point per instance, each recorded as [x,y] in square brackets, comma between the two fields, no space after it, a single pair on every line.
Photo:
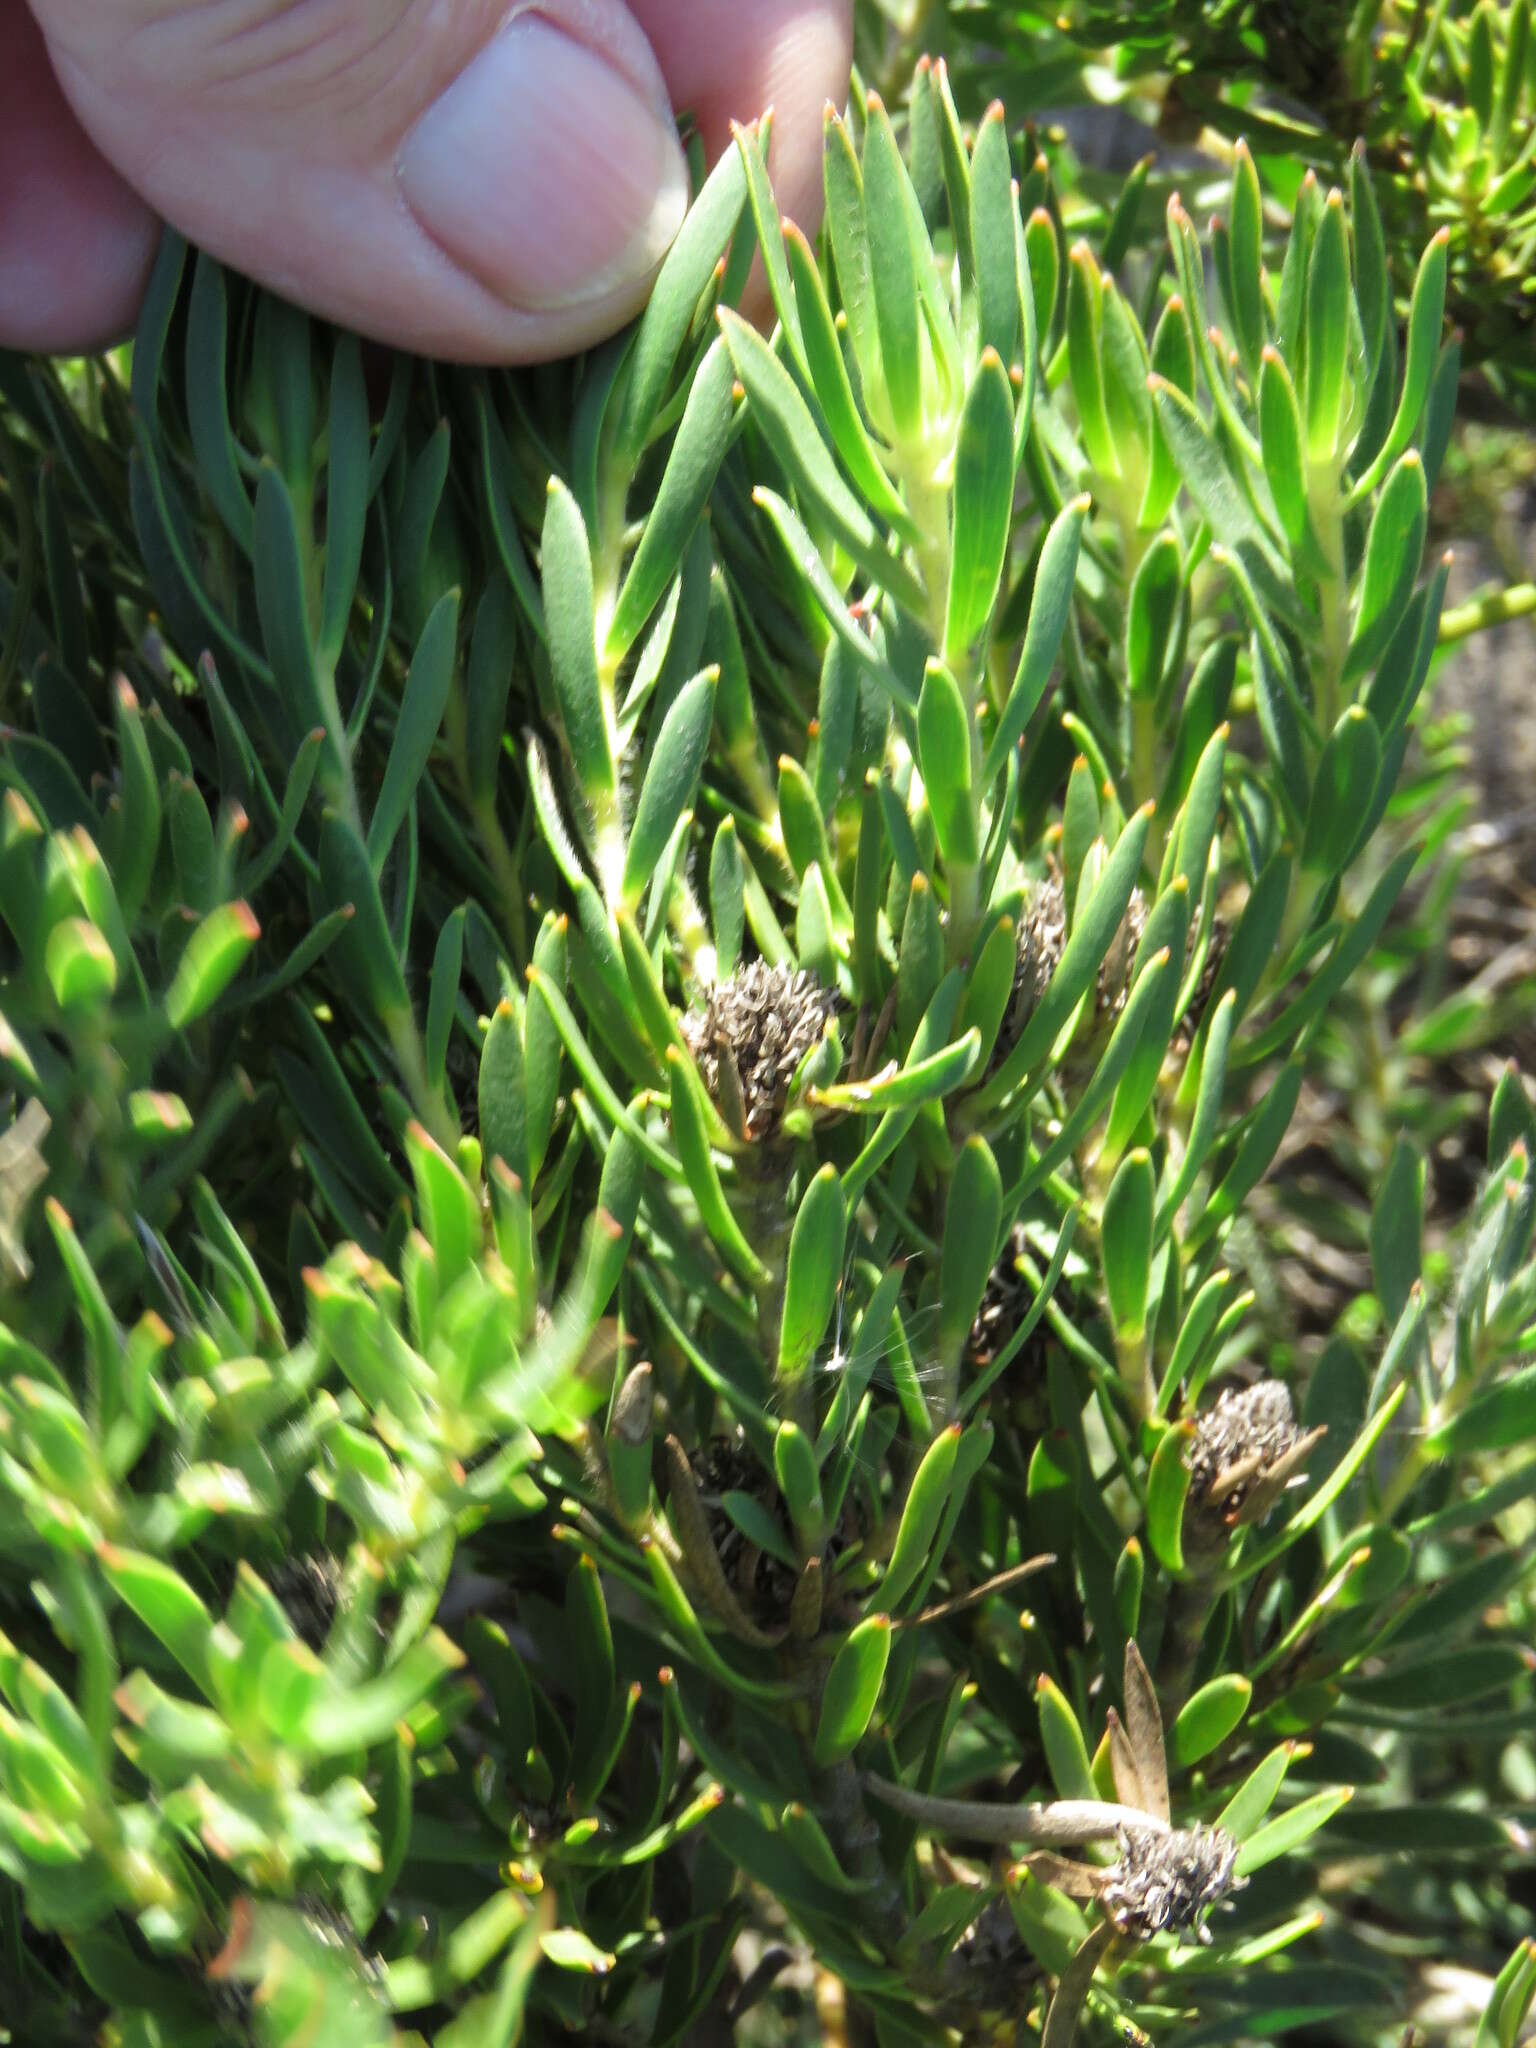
[470,180]
[75,243]
[726,62]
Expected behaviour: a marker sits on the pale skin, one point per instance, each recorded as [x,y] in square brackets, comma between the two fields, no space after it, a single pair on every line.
[488,180]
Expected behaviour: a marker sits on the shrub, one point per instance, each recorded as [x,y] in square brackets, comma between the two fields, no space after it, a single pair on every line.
[640,1002]
[1443,96]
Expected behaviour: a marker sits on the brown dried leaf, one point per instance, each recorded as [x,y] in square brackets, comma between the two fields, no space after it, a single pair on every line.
[1144,1725]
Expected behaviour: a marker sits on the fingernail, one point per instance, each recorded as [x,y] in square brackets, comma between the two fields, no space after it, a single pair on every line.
[545,172]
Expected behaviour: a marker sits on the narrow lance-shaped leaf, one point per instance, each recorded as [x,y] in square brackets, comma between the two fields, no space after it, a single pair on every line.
[670,780]
[944,754]
[1393,550]
[569,612]
[1426,316]
[1280,439]
[422,704]
[1246,231]
[1342,790]
[852,1689]
[813,1271]
[1327,320]
[1126,1247]
[993,228]
[211,959]
[972,1227]
[1151,616]
[702,438]
[893,271]
[774,397]
[1049,606]
[704,235]
[921,1514]
[983,504]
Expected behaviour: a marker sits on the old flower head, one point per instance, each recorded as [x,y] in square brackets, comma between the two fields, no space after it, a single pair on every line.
[752,1035]
[1246,1450]
[1167,1879]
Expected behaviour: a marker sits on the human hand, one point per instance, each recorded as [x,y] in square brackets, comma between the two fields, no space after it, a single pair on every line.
[467,178]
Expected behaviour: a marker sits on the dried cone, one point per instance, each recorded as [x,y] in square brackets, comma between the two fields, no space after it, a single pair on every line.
[1166,1879]
[751,1036]
[1041,939]
[1246,1450]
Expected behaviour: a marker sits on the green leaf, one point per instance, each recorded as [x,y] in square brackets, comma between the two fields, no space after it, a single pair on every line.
[1502,1417]
[1285,462]
[1397,1228]
[813,1270]
[1167,1491]
[727,900]
[80,965]
[681,282]
[211,959]
[443,994]
[893,271]
[347,492]
[569,613]
[208,401]
[1245,225]
[1208,1718]
[702,439]
[364,950]
[1127,405]
[1085,359]
[752,143]
[1327,329]
[1287,1831]
[920,1080]
[1426,316]
[973,1225]
[167,1606]
[691,1128]
[1254,1797]
[1126,1245]
[851,1691]
[336,1722]
[843,189]
[795,1468]
[422,704]
[787,421]
[1050,604]
[1393,550]
[132,854]
[1275,704]
[1260,1142]
[282,607]
[502,1097]
[1342,791]
[994,228]
[1152,613]
[487,684]
[921,1515]
[1097,922]
[671,778]
[828,373]
[944,754]
[1207,476]
[1061,1735]
[1373,289]
[806,560]
[983,504]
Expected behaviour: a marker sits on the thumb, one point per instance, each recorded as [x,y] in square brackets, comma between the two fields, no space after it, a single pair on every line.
[463,179]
